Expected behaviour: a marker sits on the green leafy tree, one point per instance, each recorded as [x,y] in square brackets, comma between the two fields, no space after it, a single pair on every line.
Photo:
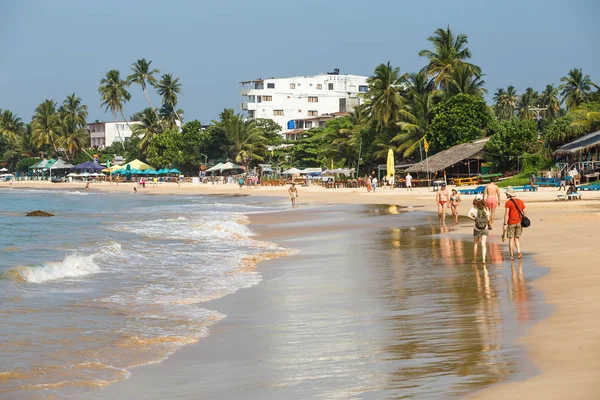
[466,79]
[247,144]
[587,117]
[114,94]
[148,128]
[460,119]
[45,124]
[73,110]
[449,51]
[385,103]
[525,102]
[560,131]
[337,142]
[11,125]
[576,88]
[512,141]
[549,99]
[169,87]
[271,131]
[305,151]
[144,76]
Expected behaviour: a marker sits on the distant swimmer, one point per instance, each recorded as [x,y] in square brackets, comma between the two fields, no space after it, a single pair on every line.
[293,192]
[492,196]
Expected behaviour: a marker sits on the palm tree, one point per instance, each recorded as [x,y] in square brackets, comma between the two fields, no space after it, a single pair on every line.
[500,106]
[422,98]
[337,141]
[525,102]
[169,88]
[73,136]
[384,98]
[448,52]
[147,129]
[27,144]
[247,142]
[465,79]
[114,94]
[143,75]
[73,110]
[576,88]
[170,115]
[45,124]
[549,99]
[10,125]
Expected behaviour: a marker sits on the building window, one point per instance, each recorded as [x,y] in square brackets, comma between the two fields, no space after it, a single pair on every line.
[292,86]
[307,124]
[321,123]
[251,113]
[278,113]
[252,99]
[363,88]
[270,86]
[313,113]
[313,99]
[267,98]
[319,86]
[259,99]
[330,86]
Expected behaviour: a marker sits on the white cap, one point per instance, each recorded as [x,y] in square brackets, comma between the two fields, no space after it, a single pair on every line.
[479,197]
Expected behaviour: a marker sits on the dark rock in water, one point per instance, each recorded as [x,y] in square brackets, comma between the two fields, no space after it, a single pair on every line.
[39,213]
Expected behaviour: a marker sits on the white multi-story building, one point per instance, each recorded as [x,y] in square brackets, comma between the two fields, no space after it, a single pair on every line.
[106,133]
[301,102]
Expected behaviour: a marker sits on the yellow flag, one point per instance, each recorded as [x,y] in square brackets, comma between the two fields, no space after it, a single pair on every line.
[426,145]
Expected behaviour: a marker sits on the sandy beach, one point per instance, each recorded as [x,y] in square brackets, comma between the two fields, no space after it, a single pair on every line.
[563,347]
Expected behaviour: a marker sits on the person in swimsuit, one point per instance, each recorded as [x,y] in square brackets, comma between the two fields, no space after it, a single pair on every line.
[293,192]
[454,202]
[491,196]
[441,198]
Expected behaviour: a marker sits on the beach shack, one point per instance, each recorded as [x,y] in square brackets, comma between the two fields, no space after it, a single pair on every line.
[582,154]
[463,164]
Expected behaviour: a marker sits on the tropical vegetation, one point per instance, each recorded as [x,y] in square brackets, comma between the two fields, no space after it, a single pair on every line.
[442,104]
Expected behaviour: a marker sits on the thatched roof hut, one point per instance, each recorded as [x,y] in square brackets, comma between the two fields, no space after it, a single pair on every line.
[453,155]
[581,145]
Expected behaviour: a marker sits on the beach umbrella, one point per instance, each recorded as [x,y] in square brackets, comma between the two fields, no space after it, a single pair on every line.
[390,164]
[128,171]
[151,172]
[291,171]
[3,170]
[175,171]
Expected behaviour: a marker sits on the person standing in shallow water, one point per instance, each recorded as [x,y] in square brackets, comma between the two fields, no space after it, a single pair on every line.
[512,222]
[491,196]
[441,198]
[293,192]
[454,202]
[481,216]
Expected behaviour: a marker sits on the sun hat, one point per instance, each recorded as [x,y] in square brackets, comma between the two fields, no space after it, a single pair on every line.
[510,191]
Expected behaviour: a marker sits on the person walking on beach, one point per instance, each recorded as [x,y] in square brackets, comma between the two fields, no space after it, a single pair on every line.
[482,217]
[512,222]
[491,196]
[454,202]
[293,192]
[391,182]
[369,183]
[408,182]
[87,186]
[441,198]
[374,183]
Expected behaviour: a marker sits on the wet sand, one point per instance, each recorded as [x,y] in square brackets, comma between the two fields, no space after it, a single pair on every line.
[564,347]
[376,303]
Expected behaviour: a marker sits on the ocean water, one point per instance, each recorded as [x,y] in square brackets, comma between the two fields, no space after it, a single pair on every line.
[113,281]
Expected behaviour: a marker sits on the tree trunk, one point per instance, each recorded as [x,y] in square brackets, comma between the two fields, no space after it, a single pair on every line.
[118,131]
[151,106]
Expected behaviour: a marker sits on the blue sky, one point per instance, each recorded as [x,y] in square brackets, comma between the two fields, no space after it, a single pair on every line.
[53,48]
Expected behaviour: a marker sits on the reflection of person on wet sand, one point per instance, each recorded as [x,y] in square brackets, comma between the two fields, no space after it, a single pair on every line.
[520,292]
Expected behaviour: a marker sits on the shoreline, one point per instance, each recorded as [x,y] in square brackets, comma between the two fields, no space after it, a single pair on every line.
[563,346]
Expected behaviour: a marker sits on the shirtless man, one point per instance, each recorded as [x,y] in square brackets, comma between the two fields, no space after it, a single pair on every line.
[293,192]
[491,196]
[441,198]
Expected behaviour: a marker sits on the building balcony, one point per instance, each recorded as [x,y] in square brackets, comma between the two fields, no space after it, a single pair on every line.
[244,106]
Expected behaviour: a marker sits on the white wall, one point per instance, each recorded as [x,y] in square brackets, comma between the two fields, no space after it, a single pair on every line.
[291,95]
[106,133]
